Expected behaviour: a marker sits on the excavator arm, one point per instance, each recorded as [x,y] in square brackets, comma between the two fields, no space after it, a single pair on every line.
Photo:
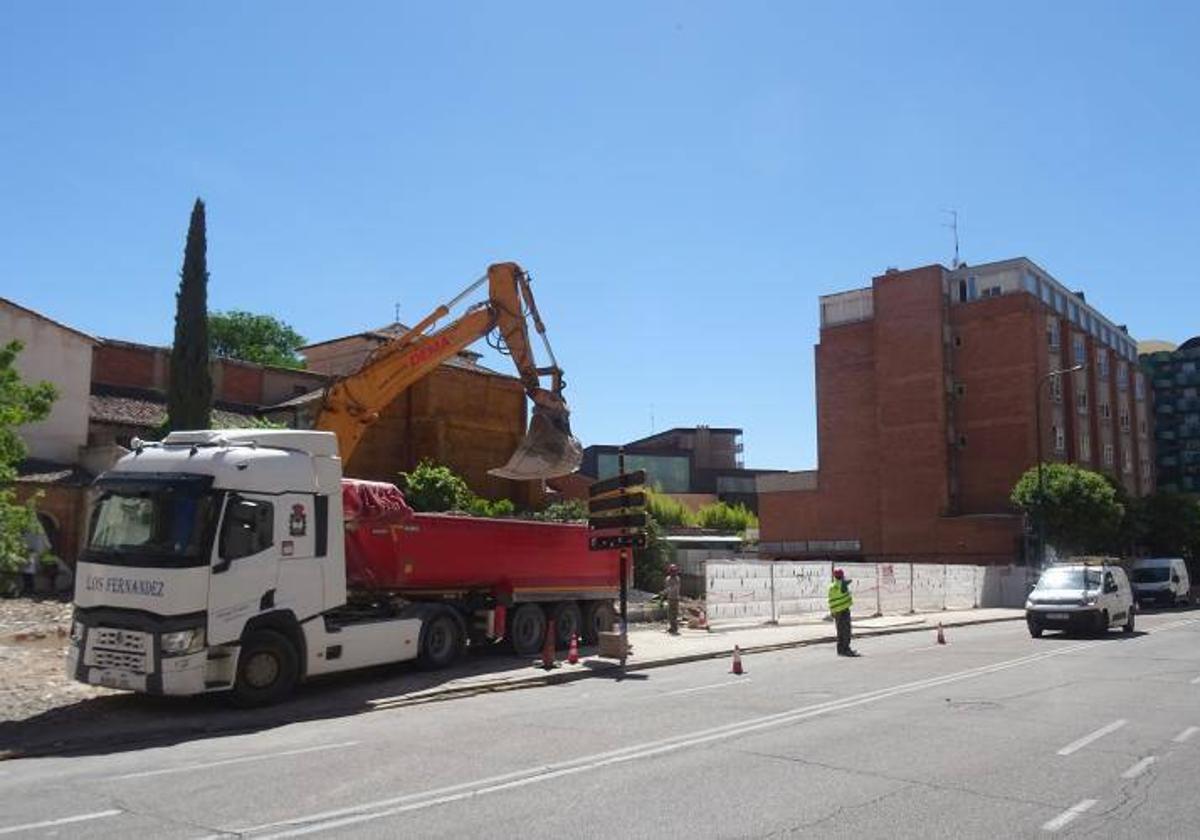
[353,403]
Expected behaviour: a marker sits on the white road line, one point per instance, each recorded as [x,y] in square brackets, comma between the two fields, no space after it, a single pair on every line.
[1195,681]
[1074,746]
[1185,734]
[1139,768]
[244,759]
[1173,625]
[13,829]
[379,809]
[1068,816]
[705,687]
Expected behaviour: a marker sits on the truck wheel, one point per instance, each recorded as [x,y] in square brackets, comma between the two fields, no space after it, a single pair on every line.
[442,641]
[527,629]
[568,622]
[1128,628]
[267,670]
[598,617]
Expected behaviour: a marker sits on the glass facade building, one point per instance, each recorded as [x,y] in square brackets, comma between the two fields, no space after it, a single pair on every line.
[1174,377]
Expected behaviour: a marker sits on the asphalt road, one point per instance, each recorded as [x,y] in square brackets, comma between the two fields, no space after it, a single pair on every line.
[992,735]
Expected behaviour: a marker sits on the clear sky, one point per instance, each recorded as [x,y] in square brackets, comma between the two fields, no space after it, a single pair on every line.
[683,179]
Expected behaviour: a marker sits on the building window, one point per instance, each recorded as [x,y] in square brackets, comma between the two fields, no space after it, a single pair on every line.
[1053,333]
[1139,386]
[1122,376]
[1102,363]
[1108,454]
[1047,294]
[1081,402]
[1124,419]
[1126,461]
[1085,446]
[1073,309]
[1105,411]
[1077,351]
[1144,467]
[1056,388]
[1141,426]
[1029,283]
[991,291]
[1060,439]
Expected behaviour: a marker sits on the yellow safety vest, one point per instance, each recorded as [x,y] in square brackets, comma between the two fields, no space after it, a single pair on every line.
[839,598]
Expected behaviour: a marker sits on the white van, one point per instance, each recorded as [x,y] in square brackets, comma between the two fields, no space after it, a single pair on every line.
[1161,580]
[1090,597]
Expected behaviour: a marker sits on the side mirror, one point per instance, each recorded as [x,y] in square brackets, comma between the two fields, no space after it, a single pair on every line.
[1110,586]
[1174,578]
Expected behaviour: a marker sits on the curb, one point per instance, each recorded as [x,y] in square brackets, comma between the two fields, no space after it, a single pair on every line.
[591,669]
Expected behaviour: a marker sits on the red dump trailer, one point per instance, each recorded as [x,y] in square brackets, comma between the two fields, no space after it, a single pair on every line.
[516,574]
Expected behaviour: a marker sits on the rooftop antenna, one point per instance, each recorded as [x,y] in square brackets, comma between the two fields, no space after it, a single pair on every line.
[651,418]
[953,225]
[396,320]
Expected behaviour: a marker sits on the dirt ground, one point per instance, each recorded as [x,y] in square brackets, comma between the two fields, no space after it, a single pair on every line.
[34,635]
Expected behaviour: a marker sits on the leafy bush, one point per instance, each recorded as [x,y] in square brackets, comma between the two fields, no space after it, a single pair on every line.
[724,517]
[568,510]
[668,512]
[432,487]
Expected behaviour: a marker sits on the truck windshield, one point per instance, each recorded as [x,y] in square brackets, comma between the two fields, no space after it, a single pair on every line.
[1154,574]
[152,527]
[1069,578]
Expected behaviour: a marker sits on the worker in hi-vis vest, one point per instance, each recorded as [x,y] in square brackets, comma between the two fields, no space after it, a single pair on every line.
[840,602]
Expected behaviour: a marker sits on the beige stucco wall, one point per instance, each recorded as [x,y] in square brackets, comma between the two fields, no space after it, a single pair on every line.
[56,355]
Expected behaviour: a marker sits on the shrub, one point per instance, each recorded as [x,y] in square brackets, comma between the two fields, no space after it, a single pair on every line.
[723,517]
[668,512]
[432,487]
[568,510]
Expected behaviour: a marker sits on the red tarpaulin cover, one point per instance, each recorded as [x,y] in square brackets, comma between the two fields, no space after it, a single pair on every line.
[371,509]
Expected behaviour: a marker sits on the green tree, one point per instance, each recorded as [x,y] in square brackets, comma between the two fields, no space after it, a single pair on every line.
[433,487]
[19,404]
[189,396]
[1167,524]
[262,339]
[1082,509]
[650,563]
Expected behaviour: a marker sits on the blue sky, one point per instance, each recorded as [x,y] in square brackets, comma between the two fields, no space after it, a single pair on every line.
[682,179]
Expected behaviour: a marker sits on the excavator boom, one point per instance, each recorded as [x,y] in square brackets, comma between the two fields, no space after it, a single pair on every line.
[548,450]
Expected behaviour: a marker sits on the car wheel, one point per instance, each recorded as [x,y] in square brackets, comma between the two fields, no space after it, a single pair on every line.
[527,629]
[1035,630]
[1103,623]
[1128,627]
[267,670]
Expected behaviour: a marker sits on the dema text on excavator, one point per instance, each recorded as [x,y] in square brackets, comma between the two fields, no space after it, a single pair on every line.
[549,450]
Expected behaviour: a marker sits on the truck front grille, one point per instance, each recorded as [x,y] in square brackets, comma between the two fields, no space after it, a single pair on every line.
[124,640]
[121,661]
[123,650]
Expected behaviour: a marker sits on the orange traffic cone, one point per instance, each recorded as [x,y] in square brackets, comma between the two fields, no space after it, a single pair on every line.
[573,650]
[737,660]
[941,636]
[548,647]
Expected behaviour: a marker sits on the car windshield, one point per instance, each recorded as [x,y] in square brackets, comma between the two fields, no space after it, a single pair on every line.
[1153,574]
[1069,578]
[151,523]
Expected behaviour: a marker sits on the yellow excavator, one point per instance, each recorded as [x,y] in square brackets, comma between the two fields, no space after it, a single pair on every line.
[351,404]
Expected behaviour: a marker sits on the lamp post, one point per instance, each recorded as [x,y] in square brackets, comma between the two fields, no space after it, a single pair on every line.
[1041,484]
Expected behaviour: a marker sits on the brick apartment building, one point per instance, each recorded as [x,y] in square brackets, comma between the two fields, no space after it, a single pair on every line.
[926,384]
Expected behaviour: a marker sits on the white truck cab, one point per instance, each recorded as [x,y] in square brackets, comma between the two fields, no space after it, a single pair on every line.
[1081,595]
[1161,580]
[215,561]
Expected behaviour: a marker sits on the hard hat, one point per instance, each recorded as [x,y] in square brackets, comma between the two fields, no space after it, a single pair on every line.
[672,569]
[839,574]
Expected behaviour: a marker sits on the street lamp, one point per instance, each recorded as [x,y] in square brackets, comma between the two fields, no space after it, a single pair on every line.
[1041,494]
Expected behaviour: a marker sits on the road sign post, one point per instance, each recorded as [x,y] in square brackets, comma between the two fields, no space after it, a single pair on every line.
[617,509]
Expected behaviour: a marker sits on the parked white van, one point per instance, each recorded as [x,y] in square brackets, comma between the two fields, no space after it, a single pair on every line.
[1161,580]
[1089,596]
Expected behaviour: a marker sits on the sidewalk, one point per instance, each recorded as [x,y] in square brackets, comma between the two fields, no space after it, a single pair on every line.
[118,721]
[653,647]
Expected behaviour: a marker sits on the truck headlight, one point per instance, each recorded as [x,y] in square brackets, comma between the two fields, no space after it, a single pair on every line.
[182,642]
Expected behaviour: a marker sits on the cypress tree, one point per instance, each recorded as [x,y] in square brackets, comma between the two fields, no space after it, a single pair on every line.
[189,396]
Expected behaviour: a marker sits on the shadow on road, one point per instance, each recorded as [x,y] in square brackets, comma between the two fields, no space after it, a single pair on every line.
[118,723]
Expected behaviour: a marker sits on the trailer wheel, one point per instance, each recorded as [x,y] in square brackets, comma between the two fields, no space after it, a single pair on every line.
[442,641]
[568,622]
[267,670]
[527,629]
[598,617]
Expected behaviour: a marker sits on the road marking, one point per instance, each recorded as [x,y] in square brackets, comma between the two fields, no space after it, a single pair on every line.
[1068,816]
[1139,768]
[244,759]
[1195,681]
[705,687]
[352,815]
[1094,736]
[1173,625]
[1185,734]
[12,829]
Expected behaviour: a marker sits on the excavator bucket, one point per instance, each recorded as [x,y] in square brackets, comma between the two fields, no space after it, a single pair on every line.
[548,450]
